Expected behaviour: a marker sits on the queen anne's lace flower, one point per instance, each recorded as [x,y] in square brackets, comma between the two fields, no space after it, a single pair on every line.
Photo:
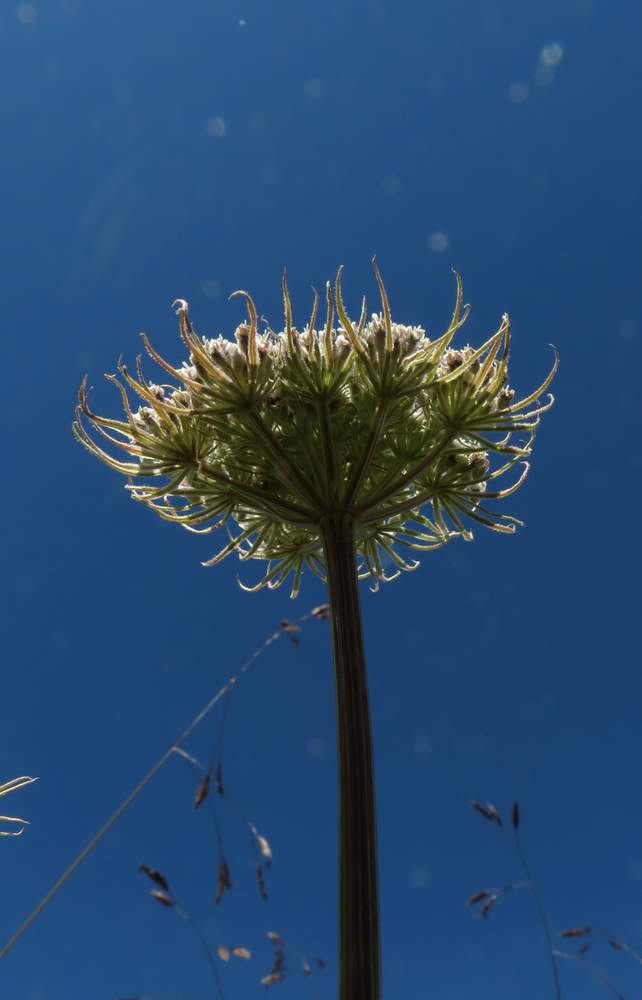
[270,433]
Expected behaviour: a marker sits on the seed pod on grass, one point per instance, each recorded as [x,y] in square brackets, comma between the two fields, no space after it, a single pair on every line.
[155,876]
[260,881]
[488,811]
[162,897]
[477,897]
[202,791]
[223,881]
[262,844]
[485,909]
[272,979]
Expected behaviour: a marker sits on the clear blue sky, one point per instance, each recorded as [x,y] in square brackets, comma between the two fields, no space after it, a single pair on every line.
[155,150]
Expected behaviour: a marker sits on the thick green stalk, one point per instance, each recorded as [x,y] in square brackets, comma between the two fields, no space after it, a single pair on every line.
[359,950]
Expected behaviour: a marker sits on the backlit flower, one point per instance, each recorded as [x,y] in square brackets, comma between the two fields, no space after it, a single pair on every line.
[267,434]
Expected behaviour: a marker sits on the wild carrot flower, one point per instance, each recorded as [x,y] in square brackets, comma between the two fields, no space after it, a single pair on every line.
[267,434]
[344,449]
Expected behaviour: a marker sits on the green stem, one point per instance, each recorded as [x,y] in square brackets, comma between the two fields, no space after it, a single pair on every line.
[283,508]
[398,508]
[359,949]
[327,445]
[376,430]
[289,472]
[389,488]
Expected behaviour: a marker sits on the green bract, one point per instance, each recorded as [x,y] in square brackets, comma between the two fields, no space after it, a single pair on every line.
[13,786]
[269,434]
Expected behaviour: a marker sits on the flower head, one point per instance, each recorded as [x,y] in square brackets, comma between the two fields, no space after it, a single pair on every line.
[269,433]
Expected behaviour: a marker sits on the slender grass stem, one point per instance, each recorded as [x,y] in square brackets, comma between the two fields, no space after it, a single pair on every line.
[543,919]
[206,949]
[359,949]
[135,792]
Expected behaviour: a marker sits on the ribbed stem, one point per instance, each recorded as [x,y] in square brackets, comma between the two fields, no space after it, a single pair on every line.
[359,951]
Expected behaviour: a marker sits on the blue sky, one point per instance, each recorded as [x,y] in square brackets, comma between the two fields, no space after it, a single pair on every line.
[160,150]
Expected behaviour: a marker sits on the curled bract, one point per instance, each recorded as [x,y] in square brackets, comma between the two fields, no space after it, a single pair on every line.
[12,786]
